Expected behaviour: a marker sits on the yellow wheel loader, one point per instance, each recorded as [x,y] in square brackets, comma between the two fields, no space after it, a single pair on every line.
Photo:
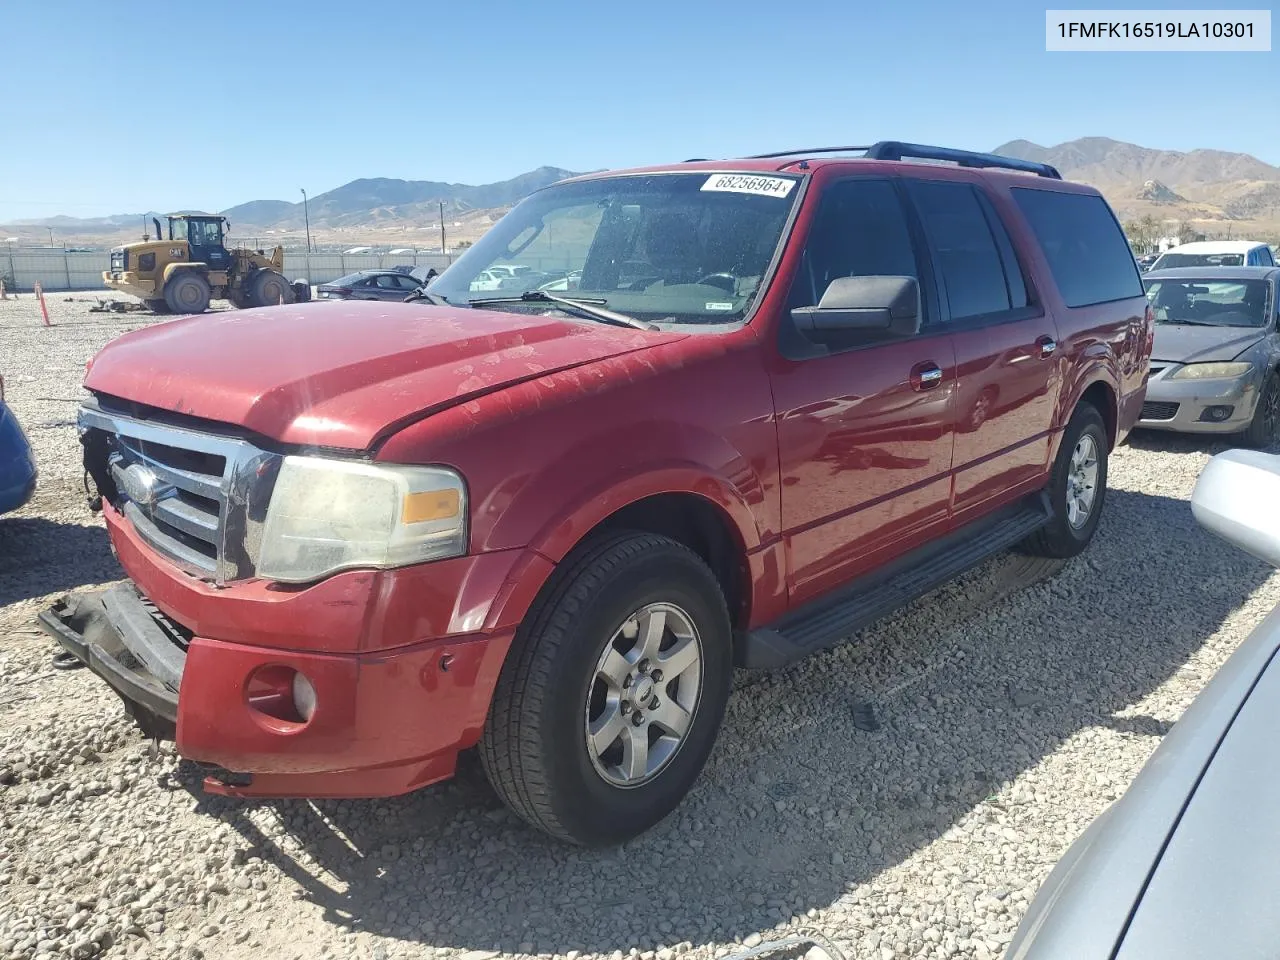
[193,266]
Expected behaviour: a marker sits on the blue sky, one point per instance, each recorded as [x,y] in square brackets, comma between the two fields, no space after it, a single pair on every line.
[141,107]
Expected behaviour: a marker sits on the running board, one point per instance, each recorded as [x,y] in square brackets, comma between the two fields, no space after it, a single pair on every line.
[829,620]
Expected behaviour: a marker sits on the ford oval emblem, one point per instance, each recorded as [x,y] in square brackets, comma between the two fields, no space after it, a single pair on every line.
[143,487]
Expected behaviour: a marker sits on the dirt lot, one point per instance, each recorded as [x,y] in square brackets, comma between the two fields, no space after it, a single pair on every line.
[1012,707]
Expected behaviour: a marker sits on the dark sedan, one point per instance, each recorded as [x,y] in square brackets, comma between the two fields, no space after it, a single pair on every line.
[1187,863]
[386,284]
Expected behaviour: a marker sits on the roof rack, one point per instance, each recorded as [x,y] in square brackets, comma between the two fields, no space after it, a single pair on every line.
[897,150]
[792,153]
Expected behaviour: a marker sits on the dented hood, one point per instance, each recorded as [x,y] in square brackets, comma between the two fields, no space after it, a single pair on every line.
[339,374]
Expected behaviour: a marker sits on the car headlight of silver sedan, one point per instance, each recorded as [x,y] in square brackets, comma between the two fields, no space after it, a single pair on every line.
[1211,371]
[329,515]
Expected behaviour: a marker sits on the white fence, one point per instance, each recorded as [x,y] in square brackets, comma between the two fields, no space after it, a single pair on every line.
[59,270]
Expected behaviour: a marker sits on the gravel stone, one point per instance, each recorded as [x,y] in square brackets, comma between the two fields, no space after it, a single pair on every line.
[1011,707]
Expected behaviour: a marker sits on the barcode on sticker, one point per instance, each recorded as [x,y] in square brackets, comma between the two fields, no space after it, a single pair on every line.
[746,183]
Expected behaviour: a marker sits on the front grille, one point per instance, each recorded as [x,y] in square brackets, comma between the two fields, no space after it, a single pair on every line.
[197,498]
[1159,410]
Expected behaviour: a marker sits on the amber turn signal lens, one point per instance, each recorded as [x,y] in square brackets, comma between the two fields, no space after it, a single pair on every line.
[430,505]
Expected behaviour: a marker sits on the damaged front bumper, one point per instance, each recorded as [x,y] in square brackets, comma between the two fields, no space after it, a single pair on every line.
[140,654]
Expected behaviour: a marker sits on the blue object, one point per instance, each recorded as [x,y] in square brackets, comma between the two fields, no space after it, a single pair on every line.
[17,465]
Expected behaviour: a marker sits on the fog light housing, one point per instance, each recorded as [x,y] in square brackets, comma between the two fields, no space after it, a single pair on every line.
[280,698]
[1217,413]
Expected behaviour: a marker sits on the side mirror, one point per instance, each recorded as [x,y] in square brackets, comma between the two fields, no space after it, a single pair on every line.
[1235,497]
[877,304]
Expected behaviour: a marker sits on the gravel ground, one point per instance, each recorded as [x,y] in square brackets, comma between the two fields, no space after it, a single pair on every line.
[1009,709]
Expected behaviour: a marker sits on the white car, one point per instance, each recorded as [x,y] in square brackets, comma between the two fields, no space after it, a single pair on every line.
[1217,253]
[493,278]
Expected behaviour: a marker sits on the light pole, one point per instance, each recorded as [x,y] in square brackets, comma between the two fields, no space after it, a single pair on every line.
[51,236]
[307,214]
[442,247]
[13,271]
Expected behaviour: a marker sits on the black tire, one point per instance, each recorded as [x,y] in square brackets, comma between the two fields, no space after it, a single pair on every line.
[1061,537]
[188,292]
[301,291]
[156,306]
[534,748]
[269,289]
[1261,431]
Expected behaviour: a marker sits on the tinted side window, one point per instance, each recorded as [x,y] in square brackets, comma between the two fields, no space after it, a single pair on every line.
[860,230]
[1087,252]
[965,250]
[1008,256]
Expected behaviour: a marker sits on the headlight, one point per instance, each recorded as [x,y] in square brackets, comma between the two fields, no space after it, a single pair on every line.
[1210,371]
[330,515]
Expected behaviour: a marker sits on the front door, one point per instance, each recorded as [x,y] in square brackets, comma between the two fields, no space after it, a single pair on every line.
[864,424]
[206,244]
[1007,357]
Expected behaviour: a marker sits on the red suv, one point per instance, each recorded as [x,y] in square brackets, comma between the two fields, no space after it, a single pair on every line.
[731,412]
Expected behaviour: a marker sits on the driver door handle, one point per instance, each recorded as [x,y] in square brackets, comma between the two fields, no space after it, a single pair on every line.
[925,376]
[1047,346]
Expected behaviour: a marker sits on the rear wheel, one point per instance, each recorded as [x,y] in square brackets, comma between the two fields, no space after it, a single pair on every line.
[269,289]
[1261,431]
[187,293]
[301,291]
[1077,487]
[613,692]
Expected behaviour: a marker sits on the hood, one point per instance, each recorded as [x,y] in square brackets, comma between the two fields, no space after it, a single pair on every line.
[338,374]
[1179,343]
[1213,892]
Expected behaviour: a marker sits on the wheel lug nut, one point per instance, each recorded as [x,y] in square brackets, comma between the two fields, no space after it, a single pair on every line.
[656,675]
[653,704]
[638,719]
[625,707]
[627,681]
[644,666]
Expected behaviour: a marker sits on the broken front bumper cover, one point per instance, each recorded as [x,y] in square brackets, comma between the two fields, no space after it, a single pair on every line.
[117,635]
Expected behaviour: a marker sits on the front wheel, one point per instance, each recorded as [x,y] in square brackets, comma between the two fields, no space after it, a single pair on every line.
[1077,487]
[187,293]
[612,694]
[1261,431]
[270,289]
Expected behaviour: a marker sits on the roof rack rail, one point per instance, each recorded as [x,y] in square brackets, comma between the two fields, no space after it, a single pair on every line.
[896,150]
[792,153]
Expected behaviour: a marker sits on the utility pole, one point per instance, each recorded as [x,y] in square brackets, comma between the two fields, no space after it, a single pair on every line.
[443,248]
[51,236]
[307,214]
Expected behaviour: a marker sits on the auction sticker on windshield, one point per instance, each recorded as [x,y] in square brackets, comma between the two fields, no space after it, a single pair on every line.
[745,183]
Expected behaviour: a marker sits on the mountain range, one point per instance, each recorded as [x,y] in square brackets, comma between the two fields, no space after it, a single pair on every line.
[1215,189]
[1219,191]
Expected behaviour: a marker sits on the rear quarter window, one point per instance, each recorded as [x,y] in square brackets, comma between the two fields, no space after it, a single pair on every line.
[1086,249]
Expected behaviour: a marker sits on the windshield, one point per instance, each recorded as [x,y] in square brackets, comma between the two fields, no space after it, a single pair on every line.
[1169,260]
[177,229]
[1219,303]
[673,247]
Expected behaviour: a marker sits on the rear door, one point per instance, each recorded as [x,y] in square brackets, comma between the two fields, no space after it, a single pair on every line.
[864,423]
[1006,343]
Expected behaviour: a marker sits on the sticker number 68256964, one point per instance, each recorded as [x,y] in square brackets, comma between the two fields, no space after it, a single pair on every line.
[749,183]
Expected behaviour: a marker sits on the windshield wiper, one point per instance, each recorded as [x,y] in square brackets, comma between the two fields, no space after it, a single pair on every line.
[432,298]
[1190,323]
[592,309]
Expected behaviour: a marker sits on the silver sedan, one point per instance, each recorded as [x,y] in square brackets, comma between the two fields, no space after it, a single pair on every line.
[1187,863]
[1217,352]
